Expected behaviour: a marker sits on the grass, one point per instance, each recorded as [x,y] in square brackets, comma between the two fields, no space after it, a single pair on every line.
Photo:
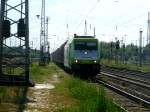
[39,73]
[15,96]
[76,95]
[90,98]
[36,73]
[111,63]
[13,70]
[73,93]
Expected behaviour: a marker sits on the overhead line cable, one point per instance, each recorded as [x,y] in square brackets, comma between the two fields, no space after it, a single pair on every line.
[88,13]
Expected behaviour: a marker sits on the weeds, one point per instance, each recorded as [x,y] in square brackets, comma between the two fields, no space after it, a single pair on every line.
[111,63]
[91,98]
[38,73]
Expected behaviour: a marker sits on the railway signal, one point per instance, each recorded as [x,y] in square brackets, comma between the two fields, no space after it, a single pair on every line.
[117,49]
[111,50]
[140,48]
[123,54]
[118,45]
[6,28]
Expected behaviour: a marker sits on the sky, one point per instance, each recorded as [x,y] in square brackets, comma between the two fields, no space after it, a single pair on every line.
[111,18]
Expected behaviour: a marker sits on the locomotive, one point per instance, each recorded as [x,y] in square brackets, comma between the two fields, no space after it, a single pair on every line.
[80,54]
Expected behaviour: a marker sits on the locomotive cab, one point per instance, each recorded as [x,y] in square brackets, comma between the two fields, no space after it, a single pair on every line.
[85,55]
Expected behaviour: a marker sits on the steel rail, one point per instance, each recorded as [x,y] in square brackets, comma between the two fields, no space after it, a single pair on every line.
[129,72]
[124,93]
[127,80]
[138,80]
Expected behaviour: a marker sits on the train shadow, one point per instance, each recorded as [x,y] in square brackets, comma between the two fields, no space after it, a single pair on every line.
[13,98]
[83,75]
[22,99]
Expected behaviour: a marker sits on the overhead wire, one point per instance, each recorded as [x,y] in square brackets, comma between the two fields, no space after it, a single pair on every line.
[90,11]
[122,24]
[126,23]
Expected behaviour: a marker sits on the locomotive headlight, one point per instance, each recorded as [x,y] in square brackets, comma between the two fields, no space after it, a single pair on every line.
[95,61]
[76,61]
[85,52]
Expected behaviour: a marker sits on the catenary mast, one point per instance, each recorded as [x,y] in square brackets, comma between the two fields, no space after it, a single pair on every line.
[42,35]
[148,29]
[14,42]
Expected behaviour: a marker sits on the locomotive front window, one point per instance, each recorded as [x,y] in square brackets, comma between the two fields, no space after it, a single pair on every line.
[85,46]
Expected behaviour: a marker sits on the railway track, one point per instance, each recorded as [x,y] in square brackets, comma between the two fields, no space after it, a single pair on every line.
[136,87]
[133,83]
[129,73]
[133,93]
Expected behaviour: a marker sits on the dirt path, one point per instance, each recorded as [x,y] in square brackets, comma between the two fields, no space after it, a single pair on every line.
[46,96]
[41,98]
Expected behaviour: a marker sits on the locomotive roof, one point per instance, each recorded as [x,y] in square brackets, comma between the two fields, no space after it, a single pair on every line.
[81,38]
[84,37]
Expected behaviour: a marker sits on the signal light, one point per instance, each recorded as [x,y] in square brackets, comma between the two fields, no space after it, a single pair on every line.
[6,28]
[21,28]
[124,46]
[117,44]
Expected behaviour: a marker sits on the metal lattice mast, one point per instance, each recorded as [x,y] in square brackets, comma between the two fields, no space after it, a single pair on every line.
[148,29]
[140,48]
[47,43]
[42,35]
[94,32]
[1,37]
[46,39]
[85,29]
[27,39]
[14,49]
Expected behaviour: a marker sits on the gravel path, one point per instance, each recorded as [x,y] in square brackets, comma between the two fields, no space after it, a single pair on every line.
[41,98]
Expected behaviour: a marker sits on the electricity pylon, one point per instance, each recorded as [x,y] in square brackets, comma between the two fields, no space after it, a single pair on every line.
[42,36]
[14,29]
